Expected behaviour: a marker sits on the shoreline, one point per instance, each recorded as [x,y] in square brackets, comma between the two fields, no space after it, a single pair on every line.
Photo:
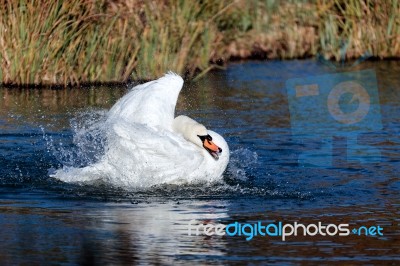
[187,78]
[83,43]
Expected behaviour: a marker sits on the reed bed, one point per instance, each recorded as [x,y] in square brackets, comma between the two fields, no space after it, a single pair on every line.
[63,42]
[351,29]
[99,41]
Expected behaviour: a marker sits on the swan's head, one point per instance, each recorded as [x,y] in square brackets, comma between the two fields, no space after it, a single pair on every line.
[210,146]
[197,134]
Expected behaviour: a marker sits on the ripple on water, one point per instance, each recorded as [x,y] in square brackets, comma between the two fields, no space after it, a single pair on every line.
[104,224]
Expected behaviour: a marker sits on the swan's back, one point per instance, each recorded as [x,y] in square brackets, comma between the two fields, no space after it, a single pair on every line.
[152,103]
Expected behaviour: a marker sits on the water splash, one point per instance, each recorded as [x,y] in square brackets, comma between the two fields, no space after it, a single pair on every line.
[242,162]
[89,135]
[85,145]
[88,140]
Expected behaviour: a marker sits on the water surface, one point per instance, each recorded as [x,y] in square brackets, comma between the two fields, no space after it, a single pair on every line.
[42,219]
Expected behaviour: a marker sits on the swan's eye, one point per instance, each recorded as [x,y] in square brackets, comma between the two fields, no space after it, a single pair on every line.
[206,137]
[202,138]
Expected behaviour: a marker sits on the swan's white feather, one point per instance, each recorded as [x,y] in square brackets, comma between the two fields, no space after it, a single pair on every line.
[158,156]
[152,103]
[142,147]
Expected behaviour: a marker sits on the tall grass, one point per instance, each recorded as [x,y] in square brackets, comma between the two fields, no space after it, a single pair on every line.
[71,42]
[84,41]
[63,42]
[349,29]
[272,29]
[179,37]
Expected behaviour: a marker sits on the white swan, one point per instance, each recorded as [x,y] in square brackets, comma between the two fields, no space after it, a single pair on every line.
[146,145]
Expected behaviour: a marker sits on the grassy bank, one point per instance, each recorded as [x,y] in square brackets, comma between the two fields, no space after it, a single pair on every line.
[72,42]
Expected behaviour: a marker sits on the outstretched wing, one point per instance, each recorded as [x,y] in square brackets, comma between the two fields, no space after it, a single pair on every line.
[152,103]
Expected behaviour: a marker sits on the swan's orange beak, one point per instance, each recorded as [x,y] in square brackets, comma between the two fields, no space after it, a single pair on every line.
[210,146]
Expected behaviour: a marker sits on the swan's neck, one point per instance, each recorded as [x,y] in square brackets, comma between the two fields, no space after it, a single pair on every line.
[190,129]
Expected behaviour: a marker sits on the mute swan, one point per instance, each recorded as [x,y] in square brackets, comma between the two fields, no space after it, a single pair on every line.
[146,145]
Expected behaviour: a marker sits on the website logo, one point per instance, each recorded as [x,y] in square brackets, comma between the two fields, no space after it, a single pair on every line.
[280,229]
[334,105]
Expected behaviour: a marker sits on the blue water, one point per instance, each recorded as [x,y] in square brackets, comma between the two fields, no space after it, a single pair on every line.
[44,220]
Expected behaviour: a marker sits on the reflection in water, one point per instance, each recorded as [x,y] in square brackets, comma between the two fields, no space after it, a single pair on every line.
[107,233]
[39,106]
[157,232]
[45,220]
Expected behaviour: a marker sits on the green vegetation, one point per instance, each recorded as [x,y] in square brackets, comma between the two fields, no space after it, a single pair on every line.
[353,28]
[85,41]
